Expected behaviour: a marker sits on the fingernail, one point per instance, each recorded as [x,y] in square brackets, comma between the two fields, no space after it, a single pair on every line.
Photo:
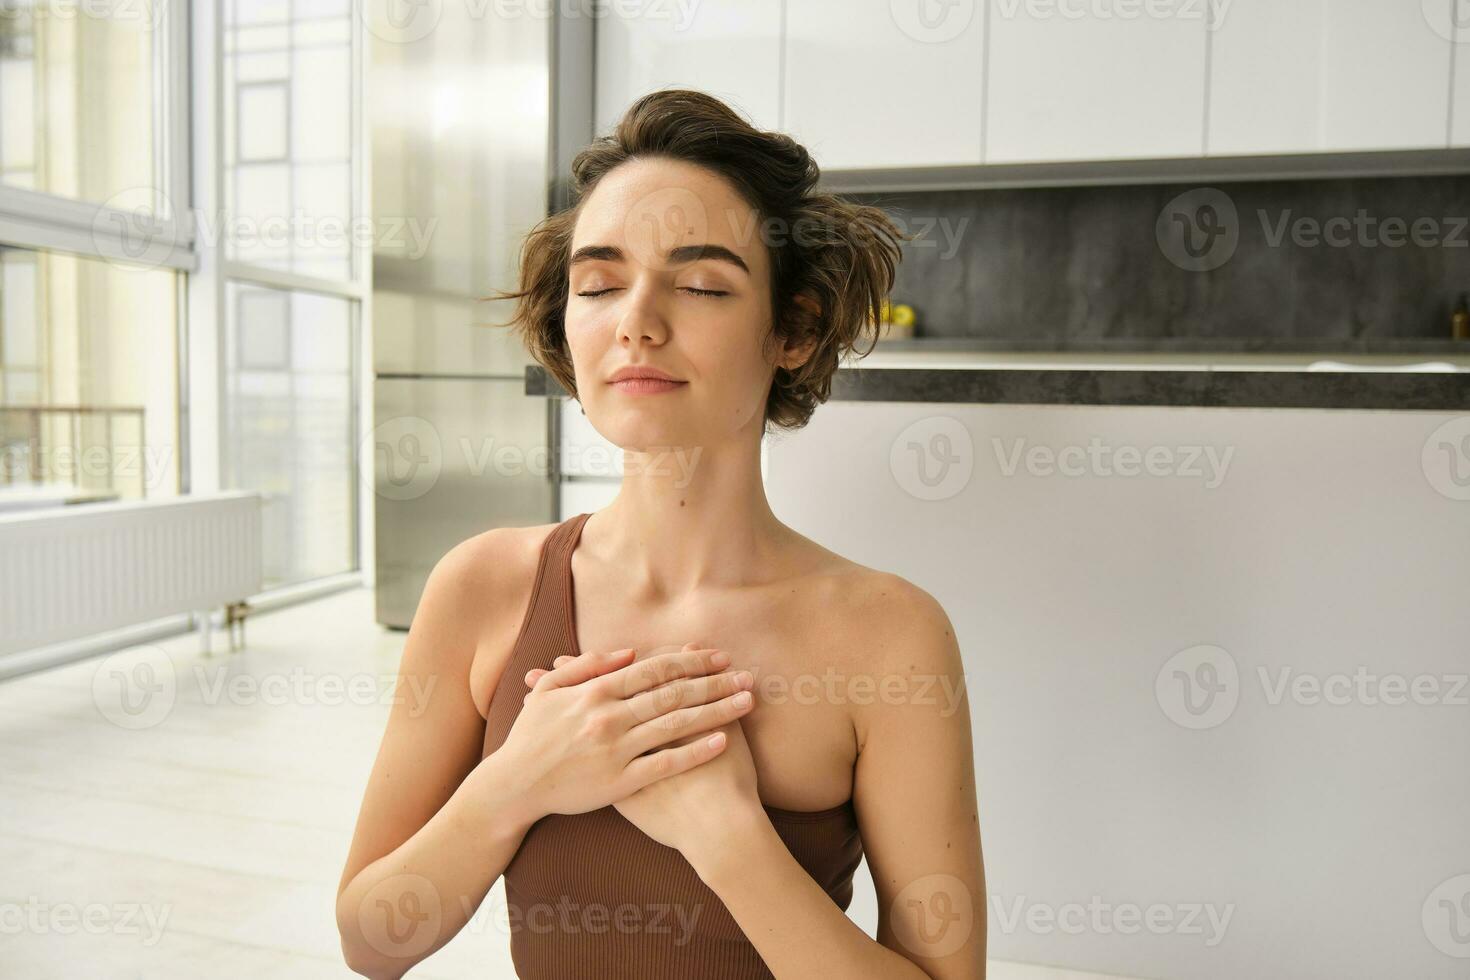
[742,699]
[719,658]
[742,678]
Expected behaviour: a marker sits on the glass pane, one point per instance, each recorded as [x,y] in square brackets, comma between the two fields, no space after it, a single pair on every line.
[288,135]
[88,378]
[289,425]
[76,99]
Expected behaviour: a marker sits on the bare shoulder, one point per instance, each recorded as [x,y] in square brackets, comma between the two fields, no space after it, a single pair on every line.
[493,574]
[882,605]
[888,628]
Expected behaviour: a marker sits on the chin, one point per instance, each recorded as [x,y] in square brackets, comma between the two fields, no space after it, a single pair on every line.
[638,430]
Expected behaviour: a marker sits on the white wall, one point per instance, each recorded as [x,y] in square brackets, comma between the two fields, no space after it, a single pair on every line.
[1322,830]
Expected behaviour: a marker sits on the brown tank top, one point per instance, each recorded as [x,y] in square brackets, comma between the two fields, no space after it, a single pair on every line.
[589,895]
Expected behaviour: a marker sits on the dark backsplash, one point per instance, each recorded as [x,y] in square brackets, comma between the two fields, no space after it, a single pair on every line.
[1084,265]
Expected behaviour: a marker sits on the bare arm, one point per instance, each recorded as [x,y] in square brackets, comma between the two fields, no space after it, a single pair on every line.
[437,825]
[914,791]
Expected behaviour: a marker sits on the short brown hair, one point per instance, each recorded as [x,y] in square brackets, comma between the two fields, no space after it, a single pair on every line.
[844,255]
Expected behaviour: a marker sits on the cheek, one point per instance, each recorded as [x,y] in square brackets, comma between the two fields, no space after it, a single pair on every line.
[585,338]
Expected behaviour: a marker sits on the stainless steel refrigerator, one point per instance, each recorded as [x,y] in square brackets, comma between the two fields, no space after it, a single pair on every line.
[462,168]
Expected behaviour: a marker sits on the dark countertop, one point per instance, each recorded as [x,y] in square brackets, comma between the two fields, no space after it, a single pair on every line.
[1180,345]
[1442,391]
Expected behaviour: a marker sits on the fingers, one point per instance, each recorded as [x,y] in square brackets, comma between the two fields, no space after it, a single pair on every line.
[667,762]
[688,721]
[582,668]
[535,673]
[645,675]
[687,693]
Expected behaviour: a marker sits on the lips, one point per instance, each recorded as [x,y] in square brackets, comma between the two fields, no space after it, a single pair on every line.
[646,385]
[644,380]
[637,372]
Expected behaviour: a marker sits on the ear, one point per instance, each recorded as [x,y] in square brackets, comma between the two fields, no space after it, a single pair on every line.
[794,355]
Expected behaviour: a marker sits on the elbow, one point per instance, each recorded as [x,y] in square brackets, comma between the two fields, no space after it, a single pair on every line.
[360,958]
[374,968]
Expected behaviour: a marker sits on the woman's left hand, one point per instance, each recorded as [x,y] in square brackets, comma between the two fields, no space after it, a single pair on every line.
[695,810]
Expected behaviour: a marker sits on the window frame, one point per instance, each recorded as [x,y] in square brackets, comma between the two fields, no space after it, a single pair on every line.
[52,222]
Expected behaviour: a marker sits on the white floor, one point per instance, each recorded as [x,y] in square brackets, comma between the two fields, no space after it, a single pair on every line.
[200,832]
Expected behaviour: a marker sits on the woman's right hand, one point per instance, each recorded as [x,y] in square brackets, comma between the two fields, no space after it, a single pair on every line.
[579,742]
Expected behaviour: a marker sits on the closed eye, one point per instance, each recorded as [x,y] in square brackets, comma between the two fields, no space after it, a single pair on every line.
[688,289]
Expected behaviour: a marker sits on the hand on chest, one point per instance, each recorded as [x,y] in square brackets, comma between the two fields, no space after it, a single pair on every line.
[800,730]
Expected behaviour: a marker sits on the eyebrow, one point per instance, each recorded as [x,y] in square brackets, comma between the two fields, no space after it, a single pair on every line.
[676,256]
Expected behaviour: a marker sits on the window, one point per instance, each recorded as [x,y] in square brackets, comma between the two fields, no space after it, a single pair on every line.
[293,273]
[99,235]
[77,114]
[290,427]
[91,149]
[289,135]
[88,375]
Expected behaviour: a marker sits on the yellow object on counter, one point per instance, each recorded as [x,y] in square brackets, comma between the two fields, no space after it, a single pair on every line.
[897,321]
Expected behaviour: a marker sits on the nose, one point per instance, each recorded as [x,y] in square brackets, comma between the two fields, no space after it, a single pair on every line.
[641,322]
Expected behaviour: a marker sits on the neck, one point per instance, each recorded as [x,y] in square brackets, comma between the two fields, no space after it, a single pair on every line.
[686,518]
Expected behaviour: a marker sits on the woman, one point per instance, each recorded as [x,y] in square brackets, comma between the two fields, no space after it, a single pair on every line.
[585,734]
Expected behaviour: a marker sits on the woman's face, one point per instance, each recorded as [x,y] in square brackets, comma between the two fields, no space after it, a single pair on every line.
[669,271]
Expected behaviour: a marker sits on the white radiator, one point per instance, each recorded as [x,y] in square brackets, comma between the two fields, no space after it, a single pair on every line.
[70,572]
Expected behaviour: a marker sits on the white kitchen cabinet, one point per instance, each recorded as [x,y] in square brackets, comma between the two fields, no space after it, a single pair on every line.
[876,84]
[728,48]
[1307,76]
[1094,81]
[1460,97]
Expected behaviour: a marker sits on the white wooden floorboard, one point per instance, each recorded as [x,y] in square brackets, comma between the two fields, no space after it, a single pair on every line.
[209,845]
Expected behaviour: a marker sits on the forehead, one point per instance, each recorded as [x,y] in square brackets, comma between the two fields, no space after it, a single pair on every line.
[649,206]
